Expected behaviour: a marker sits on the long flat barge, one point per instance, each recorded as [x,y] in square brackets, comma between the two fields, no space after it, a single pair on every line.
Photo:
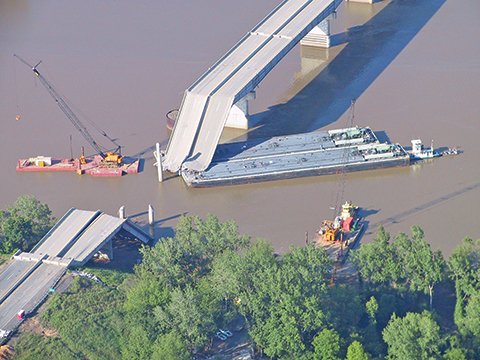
[301,155]
[93,166]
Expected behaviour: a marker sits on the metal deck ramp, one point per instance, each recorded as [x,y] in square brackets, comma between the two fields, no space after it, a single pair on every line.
[207,103]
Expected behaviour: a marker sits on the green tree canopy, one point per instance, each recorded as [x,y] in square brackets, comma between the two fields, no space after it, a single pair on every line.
[379,261]
[285,298]
[424,268]
[464,266]
[356,352]
[407,261]
[170,346]
[414,337]
[326,345]
[24,223]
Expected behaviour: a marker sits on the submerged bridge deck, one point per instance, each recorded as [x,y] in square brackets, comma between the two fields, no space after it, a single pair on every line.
[207,103]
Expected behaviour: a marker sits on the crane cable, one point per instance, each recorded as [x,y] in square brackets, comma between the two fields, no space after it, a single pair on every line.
[339,186]
[17,117]
[68,102]
[84,116]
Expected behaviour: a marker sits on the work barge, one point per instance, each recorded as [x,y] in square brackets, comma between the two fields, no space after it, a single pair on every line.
[95,166]
[301,155]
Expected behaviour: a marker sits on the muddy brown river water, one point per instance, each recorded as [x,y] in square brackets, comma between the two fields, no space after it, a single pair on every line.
[412,65]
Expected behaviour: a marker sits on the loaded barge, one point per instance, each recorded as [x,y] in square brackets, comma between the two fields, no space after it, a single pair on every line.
[301,155]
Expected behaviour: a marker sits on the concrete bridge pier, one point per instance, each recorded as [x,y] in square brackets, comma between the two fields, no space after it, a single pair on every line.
[238,115]
[319,36]
[110,250]
[122,213]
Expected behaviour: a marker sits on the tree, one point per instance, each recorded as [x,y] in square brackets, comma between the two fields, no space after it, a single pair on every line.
[424,267]
[378,262]
[284,298]
[136,343]
[464,266]
[414,337]
[17,232]
[170,346]
[372,309]
[24,224]
[356,352]
[187,257]
[40,214]
[454,354]
[409,261]
[185,315]
[344,309]
[225,276]
[326,345]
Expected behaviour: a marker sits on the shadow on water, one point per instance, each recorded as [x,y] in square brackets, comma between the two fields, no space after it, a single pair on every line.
[369,49]
[158,222]
[409,213]
[147,154]
[382,136]
[157,231]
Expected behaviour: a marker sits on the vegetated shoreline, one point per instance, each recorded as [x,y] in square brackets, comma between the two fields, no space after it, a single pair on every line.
[194,265]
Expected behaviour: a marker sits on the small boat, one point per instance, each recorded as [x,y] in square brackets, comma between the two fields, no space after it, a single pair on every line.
[419,152]
[450,152]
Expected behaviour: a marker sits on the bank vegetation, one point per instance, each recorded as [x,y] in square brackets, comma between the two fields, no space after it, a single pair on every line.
[208,277]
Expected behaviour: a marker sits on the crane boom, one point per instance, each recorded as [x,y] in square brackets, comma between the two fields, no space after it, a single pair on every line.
[342,178]
[67,111]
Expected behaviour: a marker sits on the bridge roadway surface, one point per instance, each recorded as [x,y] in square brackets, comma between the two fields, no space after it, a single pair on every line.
[76,237]
[94,238]
[207,103]
[29,293]
[11,274]
[66,230]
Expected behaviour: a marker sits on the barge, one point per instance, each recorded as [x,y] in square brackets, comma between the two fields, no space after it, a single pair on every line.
[338,237]
[294,156]
[93,166]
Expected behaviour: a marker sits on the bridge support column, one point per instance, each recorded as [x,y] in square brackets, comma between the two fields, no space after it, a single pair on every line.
[238,115]
[157,154]
[110,250]
[121,213]
[319,36]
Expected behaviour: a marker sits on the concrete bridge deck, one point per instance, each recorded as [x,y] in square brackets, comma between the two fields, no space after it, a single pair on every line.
[29,293]
[76,237]
[207,103]
[94,238]
[67,229]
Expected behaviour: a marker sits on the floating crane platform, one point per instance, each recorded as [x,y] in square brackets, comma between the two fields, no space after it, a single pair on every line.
[103,164]
[94,166]
[301,155]
[338,237]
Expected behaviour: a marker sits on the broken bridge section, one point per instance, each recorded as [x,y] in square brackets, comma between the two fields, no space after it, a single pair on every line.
[207,103]
[73,241]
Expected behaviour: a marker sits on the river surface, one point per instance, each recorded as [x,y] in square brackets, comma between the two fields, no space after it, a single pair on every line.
[412,65]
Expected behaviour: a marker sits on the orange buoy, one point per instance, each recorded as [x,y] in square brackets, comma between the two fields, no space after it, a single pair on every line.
[17,117]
